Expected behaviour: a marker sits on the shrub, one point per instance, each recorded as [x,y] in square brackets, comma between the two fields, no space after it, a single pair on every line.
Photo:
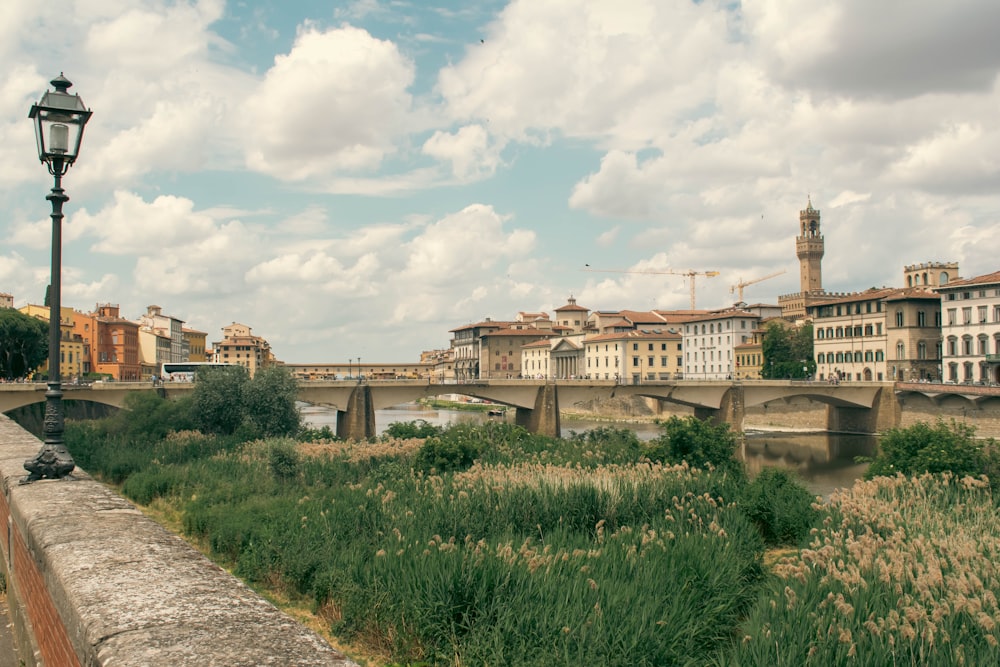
[448,452]
[697,442]
[924,448]
[418,428]
[283,460]
[779,506]
[324,434]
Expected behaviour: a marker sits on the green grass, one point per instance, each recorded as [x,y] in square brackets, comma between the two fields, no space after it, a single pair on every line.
[523,550]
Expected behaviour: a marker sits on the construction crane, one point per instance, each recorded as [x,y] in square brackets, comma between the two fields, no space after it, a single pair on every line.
[744,283]
[690,274]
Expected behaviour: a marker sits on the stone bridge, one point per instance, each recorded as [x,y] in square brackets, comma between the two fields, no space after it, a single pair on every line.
[861,407]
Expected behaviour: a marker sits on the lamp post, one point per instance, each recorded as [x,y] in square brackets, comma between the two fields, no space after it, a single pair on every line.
[59,121]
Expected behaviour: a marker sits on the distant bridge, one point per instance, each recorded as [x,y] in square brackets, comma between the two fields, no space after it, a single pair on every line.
[855,406]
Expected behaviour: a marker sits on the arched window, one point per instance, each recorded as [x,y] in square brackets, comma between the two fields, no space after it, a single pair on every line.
[921,350]
[899,318]
[900,350]
[909,281]
[943,280]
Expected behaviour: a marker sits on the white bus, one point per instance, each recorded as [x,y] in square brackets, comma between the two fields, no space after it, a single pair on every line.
[185,371]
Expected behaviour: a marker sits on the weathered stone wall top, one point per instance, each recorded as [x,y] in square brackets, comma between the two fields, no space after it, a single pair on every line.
[131,593]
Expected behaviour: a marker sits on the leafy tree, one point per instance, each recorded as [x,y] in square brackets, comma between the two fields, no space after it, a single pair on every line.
[218,399]
[942,447]
[269,402]
[227,401]
[24,343]
[699,442]
[787,350]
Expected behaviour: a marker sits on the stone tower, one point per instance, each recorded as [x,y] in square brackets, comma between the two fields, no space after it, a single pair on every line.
[809,248]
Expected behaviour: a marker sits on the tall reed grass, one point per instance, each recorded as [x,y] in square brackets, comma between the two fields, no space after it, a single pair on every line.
[903,571]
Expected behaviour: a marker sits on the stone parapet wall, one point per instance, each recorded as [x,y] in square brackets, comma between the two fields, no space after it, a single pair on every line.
[91,581]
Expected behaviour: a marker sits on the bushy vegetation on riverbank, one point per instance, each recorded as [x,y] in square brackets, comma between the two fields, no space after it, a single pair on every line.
[489,545]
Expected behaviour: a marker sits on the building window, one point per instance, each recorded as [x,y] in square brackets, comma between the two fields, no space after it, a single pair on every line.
[921,318]
[984,345]
[952,346]
[879,355]
[899,318]
[966,345]
[921,350]
[967,315]
[900,351]
[982,313]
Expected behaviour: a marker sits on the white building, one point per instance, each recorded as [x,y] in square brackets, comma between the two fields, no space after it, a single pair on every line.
[971,329]
[710,343]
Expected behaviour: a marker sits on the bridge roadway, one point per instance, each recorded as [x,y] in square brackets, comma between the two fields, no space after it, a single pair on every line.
[855,406]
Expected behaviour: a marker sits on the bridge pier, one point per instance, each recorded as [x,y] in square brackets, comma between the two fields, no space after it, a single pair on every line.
[885,413]
[543,419]
[358,421]
[731,410]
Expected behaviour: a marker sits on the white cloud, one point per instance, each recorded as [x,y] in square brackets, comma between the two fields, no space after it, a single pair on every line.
[471,152]
[335,102]
[590,69]
[129,225]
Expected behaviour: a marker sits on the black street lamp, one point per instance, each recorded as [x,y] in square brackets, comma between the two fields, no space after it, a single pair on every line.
[59,121]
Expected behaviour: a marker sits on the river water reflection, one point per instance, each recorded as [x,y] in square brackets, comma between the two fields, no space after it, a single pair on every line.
[824,461]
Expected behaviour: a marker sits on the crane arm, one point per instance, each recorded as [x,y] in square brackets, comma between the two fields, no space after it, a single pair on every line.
[744,283]
[690,274]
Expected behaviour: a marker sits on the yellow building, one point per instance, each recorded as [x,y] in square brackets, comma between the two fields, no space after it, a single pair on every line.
[71,349]
[194,343]
[239,346]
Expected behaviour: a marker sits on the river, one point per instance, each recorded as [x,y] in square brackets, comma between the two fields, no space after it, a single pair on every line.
[824,461]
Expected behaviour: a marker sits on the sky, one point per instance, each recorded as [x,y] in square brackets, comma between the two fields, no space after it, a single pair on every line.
[355,179]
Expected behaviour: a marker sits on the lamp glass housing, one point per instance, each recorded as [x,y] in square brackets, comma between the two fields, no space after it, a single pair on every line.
[59,119]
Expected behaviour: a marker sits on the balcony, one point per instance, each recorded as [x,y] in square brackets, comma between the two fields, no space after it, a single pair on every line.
[993,358]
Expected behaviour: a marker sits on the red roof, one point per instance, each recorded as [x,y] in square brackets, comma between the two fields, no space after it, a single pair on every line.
[986,279]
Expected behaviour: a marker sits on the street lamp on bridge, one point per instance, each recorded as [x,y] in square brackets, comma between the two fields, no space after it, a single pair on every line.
[59,121]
